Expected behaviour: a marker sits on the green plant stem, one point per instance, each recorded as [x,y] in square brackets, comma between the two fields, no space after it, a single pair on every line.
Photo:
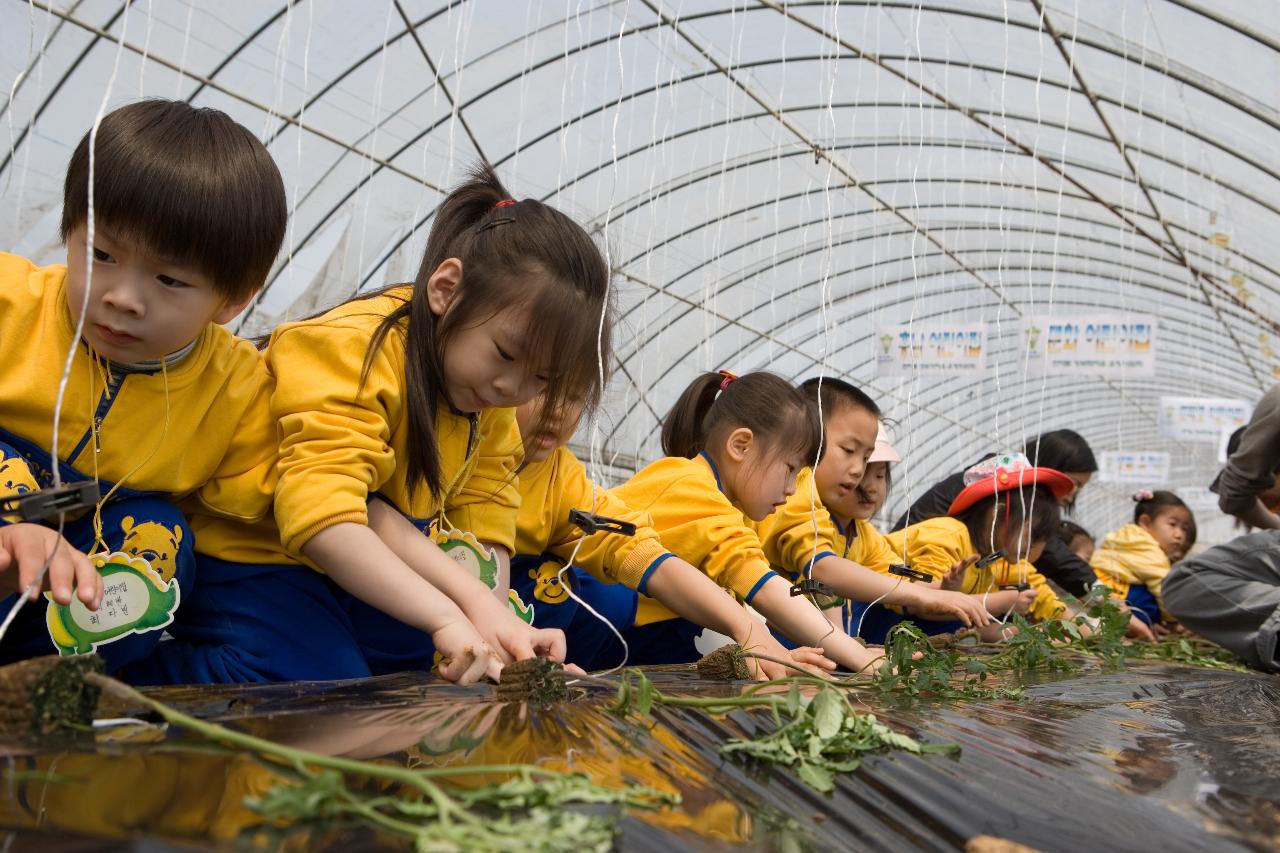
[419,779]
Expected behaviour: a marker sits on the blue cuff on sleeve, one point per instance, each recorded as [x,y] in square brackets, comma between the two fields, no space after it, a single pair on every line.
[759,583]
[821,555]
[648,573]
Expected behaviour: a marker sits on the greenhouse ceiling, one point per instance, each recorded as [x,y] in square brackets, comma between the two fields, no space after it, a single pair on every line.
[780,185]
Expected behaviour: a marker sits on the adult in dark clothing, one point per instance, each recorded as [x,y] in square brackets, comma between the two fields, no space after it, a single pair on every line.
[1062,450]
[1231,593]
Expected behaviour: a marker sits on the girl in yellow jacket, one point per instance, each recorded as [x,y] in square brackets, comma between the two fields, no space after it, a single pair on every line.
[992,534]
[815,535]
[1134,560]
[734,447]
[609,569]
[395,509]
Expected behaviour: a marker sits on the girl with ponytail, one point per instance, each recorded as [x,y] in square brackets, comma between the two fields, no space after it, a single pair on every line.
[734,446]
[398,452]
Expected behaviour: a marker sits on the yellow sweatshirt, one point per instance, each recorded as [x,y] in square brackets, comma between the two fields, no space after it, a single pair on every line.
[342,441]
[803,531]
[1130,556]
[549,489]
[937,544]
[699,523]
[212,443]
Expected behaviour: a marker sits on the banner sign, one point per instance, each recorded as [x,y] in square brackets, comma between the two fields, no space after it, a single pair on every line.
[1201,419]
[1141,468]
[1198,499]
[1098,344]
[932,348]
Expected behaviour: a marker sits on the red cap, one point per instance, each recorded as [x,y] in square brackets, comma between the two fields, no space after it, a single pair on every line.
[1004,473]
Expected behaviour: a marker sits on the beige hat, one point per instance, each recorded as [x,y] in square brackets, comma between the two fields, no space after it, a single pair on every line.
[884,451]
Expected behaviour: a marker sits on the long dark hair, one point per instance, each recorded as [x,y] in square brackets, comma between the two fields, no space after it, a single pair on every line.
[521,254]
[1015,508]
[771,407]
[1062,450]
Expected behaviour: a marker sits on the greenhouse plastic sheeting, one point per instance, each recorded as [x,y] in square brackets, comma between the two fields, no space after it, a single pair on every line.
[1154,757]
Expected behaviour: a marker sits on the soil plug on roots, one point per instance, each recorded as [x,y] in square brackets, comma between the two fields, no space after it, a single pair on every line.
[48,695]
[537,680]
[727,663]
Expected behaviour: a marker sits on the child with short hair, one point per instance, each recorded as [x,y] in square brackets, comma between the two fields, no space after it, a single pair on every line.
[1134,560]
[396,506]
[815,534]
[610,570]
[992,533]
[178,231]
[734,446]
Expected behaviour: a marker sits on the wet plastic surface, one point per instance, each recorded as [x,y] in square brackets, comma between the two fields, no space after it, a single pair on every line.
[1167,758]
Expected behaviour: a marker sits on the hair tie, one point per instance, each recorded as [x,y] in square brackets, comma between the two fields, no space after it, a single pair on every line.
[727,379]
[506,202]
[1143,495]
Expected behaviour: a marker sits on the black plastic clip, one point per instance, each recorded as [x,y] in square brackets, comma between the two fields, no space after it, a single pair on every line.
[37,506]
[809,585]
[1020,587]
[910,573]
[590,523]
[990,558]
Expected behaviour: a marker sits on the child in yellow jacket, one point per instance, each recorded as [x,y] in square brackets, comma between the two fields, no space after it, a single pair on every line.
[397,496]
[561,572]
[814,536]
[1134,560]
[992,534]
[121,373]
[734,447]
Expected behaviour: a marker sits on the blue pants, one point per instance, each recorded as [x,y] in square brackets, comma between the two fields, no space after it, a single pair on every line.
[254,623]
[666,642]
[1143,603]
[877,620]
[591,643]
[147,527]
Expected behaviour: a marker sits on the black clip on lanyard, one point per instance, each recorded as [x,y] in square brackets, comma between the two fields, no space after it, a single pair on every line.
[590,523]
[809,585]
[990,558]
[910,573]
[37,506]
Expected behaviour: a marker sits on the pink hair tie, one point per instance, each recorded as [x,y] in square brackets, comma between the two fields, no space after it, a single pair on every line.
[727,379]
[506,202]
[1143,495]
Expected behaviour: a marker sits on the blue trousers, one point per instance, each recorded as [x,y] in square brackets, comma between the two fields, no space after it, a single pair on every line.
[255,623]
[591,643]
[1143,603]
[147,527]
[875,621]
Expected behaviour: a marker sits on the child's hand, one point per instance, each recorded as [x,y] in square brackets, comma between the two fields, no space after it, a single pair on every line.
[933,603]
[27,546]
[1140,630]
[467,657]
[954,579]
[514,640]
[1026,598]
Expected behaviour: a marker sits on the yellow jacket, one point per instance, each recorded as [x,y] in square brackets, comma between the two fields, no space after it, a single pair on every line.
[800,532]
[1130,556]
[870,547]
[937,544]
[212,443]
[342,440]
[803,531]
[549,489]
[698,522]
